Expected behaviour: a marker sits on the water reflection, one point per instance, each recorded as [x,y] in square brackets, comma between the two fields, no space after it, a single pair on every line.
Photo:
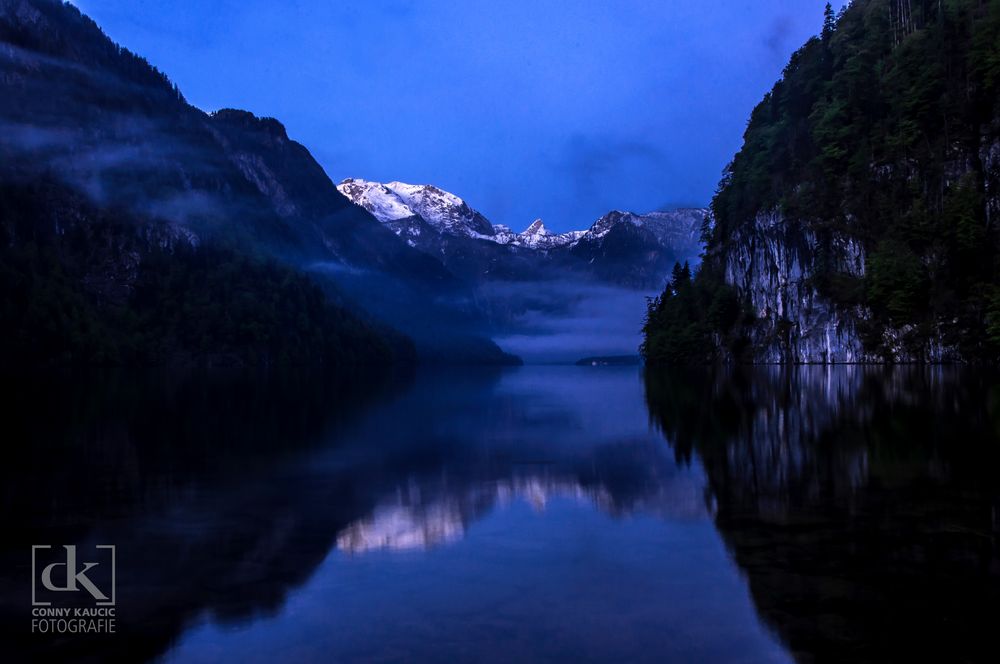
[529,513]
[861,502]
[421,516]
[191,476]
[226,493]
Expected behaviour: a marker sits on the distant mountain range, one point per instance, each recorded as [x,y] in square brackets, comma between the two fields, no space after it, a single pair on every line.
[137,229]
[621,247]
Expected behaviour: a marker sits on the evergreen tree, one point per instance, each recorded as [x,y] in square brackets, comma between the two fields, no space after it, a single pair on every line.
[829,22]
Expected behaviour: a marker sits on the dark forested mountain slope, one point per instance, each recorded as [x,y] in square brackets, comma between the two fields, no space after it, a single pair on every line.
[81,284]
[108,175]
[99,118]
[859,220]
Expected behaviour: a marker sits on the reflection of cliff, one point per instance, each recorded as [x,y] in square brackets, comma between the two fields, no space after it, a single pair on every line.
[860,502]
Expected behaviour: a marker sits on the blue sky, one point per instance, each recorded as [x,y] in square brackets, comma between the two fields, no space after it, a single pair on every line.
[525,108]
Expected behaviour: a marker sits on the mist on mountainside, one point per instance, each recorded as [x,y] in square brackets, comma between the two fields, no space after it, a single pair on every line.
[106,166]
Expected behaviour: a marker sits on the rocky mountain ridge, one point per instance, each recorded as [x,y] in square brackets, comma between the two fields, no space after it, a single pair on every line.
[636,249]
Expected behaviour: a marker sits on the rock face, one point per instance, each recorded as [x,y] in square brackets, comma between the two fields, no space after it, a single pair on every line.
[858,222]
[771,264]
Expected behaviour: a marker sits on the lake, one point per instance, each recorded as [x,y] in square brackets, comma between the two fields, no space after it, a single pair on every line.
[535,513]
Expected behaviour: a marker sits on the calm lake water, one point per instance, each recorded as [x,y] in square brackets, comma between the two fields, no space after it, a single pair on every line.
[539,513]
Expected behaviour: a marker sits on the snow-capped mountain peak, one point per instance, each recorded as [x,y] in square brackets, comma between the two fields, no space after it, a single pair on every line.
[680,227]
[444,211]
[603,226]
[424,214]
[537,236]
[381,201]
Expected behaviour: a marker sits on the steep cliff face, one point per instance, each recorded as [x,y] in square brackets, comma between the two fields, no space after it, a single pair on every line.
[769,263]
[889,198]
[772,264]
[858,222]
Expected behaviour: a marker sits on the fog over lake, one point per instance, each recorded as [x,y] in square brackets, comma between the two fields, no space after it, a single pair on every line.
[564,321]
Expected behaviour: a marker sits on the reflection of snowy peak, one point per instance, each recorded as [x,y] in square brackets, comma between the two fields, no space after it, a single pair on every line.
[428,518]
[407,522]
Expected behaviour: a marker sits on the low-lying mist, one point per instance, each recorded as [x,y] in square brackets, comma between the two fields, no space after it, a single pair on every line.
[563,321]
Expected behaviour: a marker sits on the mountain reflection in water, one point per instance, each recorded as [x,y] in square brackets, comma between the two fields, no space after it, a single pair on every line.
[541,512]
[413,520]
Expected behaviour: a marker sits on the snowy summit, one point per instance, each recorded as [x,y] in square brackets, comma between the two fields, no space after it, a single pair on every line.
[403,207]
[392,201]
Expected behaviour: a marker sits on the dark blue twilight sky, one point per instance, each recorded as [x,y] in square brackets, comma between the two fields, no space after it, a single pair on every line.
[525,108]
